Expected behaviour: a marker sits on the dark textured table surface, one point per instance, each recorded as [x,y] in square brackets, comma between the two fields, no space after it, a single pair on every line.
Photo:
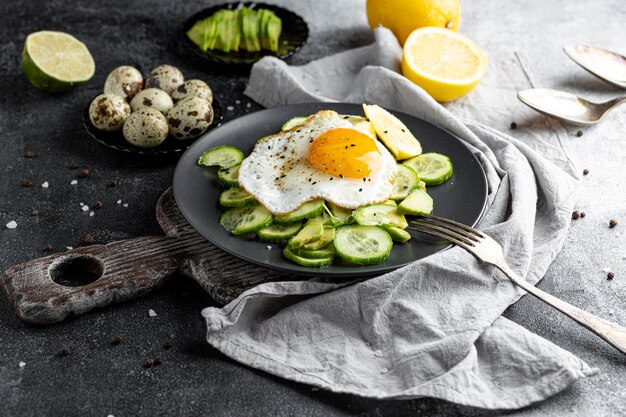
[97,377]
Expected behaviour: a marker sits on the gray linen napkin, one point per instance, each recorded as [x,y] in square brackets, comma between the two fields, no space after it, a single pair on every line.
[433,328]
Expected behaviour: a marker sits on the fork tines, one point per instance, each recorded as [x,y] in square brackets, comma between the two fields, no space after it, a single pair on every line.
[455,232]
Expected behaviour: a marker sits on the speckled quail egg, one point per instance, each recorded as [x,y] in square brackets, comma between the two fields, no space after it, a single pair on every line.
[190,117]
[152,98]
[193,88]
[108,112]
[165,77]
[124,81]
[145,128]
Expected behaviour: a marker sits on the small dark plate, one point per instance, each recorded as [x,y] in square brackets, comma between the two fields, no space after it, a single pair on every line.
[196,189]
[171,146]
[294,35]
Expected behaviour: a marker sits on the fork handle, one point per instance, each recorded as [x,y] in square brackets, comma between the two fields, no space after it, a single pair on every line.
[613,333]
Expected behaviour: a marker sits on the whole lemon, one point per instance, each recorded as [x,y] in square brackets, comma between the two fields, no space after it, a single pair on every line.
[404,16]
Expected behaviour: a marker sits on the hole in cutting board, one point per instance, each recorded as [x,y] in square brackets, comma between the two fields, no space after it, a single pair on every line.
[76,271]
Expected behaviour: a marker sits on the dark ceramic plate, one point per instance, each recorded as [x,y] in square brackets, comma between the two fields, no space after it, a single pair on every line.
[294,34]
[171,146]
[197,191]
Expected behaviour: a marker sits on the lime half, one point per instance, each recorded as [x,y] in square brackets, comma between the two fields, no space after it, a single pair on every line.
[56,61]
[432,168]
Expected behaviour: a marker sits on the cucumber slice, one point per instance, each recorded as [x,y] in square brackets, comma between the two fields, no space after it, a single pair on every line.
[418,203]
[243,220]
[311,232]
[325,252]
[308,210]
[338,215]
[363,245]
[223,156]
[309,262]
[276,233]
[398,235]
[390,203]
[432,168]
[380,215]
[237,197]
[229,176]
[293,122]
[327,237]
[406,181]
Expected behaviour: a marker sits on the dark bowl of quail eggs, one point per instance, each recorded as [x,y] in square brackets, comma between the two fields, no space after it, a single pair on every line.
[160,115]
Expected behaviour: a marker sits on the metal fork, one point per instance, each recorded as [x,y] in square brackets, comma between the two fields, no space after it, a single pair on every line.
[487,250]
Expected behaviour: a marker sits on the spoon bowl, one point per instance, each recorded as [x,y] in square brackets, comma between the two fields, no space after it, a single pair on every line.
[567,107]
[604,64]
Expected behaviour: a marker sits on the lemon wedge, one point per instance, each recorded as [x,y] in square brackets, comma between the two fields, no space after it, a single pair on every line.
[446,64]
[393,133]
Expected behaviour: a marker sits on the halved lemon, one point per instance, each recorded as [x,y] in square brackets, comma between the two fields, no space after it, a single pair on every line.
[446,64]
[56,61]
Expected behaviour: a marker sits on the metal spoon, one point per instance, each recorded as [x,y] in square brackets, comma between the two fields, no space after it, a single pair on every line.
[607,65]
[566,106]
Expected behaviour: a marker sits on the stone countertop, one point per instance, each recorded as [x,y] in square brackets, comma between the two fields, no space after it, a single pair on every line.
[99,378]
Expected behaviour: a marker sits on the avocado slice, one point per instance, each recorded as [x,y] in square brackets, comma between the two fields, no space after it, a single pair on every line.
[274,28]
[250,25]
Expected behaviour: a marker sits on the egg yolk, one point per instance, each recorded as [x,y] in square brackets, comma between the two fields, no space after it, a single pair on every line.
[345,153]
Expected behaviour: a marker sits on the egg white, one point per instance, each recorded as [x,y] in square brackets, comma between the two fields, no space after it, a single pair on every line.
[278,175]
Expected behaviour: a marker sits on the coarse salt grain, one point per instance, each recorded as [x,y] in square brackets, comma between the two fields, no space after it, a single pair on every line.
[230,108]
[74,182]
[45,185]
[85,207]
[152,313]
[237,101]
[269,246]
[119,201]
[82,204]
[12,224]
[69,247]
[378,353]
[125,204]
[22,364]
[91,213]
[248,105]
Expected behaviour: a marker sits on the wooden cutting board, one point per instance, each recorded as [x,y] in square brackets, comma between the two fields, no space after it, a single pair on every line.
[50,289]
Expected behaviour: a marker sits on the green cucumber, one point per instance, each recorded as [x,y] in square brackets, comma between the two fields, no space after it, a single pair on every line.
[229,176]
[363,245]
[431,167]
[406,181]
[293,122]
[398,235]
[338,215]
[308,210]
[311,232]
[276,233]
[327,237]
[244,220]
[418,203]
[325,252]
[308,262]
[237,197]
[380,215]
[223,156]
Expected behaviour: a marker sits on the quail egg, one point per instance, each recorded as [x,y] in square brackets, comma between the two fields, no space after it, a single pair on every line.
[165,77]
[145,128]
[153,98]
[125,81]
[108,112]
[193,88]
[190,117]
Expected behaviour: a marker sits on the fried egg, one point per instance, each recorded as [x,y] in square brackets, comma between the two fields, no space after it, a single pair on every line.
[325,157]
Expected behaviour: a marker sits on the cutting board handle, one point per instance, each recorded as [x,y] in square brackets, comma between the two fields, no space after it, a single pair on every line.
[49,289]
